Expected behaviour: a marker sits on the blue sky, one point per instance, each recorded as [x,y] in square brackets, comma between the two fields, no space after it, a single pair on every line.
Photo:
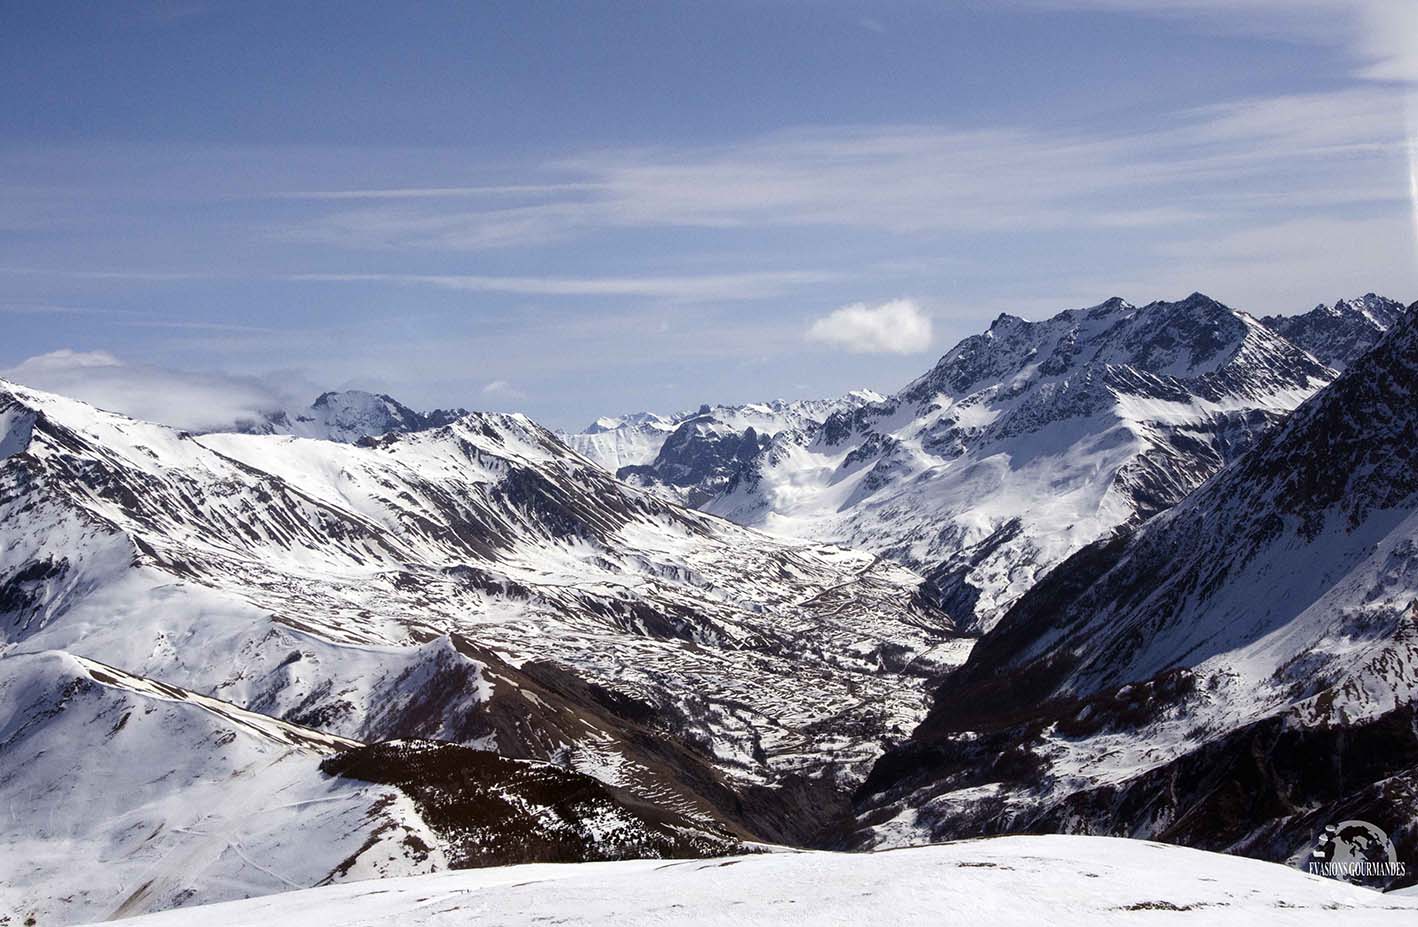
[575,209]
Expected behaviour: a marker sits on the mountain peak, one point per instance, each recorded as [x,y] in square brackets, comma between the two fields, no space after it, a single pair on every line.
[350,416]
[1006,321]
[1339,334]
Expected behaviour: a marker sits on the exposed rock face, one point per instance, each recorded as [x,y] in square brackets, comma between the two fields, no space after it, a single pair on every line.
[698,459]
[1342,333]
[488,810]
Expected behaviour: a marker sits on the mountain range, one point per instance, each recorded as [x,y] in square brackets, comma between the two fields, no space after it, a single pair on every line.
[1021,446]
[1232,674]
[1140,571]
[476,584]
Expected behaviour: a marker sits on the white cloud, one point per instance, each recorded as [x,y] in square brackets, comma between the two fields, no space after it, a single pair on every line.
[752,285]
[895,327]
[501,389]
[180,398]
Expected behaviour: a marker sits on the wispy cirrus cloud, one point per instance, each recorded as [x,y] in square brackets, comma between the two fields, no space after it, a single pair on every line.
[721,287]
[922,180]
[426,193]
[1382,35]
[501,391]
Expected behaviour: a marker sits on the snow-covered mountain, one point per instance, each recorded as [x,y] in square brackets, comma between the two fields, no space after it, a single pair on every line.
[127,795]
[624,441]
[698,460]
[1234,674]
[1004,882]
[349,416]
[702,449]
[1029,441]
[1339,334]
[478,583]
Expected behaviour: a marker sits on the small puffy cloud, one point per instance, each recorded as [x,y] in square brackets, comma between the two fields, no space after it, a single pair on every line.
[896,327]
[501,389]
[180,398]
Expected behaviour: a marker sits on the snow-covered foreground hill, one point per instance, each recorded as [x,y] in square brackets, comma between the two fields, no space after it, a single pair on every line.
[1004,882]
[123,795]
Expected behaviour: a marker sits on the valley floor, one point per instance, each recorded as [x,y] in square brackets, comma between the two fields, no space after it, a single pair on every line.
[1003,881]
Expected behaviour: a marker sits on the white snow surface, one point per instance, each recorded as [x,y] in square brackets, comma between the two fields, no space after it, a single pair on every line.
[999,882]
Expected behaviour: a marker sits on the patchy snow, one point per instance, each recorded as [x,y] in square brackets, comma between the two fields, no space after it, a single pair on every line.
[326,583]
[1028,442]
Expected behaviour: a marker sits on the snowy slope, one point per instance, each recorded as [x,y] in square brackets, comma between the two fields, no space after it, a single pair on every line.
[1004,882]
[1234,674]
[1027,442]
[124,796]
[479,583]
[624,441]
[127,795]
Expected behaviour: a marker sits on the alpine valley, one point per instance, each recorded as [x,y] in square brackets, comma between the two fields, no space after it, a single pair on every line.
[1130,571]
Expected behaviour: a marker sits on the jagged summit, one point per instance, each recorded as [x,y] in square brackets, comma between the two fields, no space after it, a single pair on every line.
[1184,340]
[633,419]
[1341,333]
[698,459]
[350,415]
